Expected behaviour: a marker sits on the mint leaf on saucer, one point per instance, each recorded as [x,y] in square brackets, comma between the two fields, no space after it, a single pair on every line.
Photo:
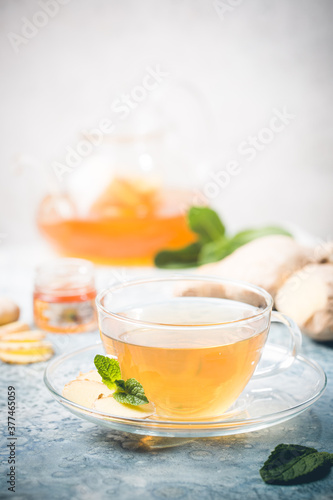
[293,464]
[130,392]
[108,369]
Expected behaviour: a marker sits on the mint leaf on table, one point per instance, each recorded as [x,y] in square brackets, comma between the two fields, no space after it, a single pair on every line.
[206,223]
[130,392]
[179,259]
[293,464]
[108,369]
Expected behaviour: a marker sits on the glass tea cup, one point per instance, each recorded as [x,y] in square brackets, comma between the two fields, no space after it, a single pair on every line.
[192,342]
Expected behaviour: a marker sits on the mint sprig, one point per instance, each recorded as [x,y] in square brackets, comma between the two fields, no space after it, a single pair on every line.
[108,369]
[290,464]
[206,223]
[213,244]
[179,259]
[128,392]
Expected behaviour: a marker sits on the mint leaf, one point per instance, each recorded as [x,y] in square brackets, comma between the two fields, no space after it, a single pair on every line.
[130,392]
[108,369]
[213,244]
[294,464]
[252,234]
[215,250]
[206,223]
[178,259]
[221,248]
[121,385]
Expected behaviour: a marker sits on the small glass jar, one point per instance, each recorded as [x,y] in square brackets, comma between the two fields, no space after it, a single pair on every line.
[64,296]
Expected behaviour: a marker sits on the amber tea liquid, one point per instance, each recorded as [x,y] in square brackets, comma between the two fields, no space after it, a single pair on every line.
[192,373]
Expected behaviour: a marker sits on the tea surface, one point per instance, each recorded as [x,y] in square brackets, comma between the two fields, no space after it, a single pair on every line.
[191,373]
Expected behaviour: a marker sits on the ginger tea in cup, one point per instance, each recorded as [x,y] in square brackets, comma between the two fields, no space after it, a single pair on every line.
[193,343]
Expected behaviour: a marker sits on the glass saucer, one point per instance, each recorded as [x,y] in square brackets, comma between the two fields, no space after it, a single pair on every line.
[265,401]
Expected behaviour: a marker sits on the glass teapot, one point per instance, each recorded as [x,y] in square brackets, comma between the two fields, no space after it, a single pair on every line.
[128,199]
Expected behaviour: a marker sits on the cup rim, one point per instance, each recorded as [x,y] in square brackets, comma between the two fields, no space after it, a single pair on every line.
[182,277]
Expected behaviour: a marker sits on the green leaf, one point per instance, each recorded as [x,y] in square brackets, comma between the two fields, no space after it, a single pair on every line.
[179,259]
[329,456]
[121,385]
[219,249]
[206,223]
[294,464]
[108,369]
[214,251]
[130,392]
[251,234]
[213,244]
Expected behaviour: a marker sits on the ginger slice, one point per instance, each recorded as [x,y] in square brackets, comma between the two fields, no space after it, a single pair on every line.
[110,405]
[16,326]
[24,336]
[85,392]
[25,357]
[92,375]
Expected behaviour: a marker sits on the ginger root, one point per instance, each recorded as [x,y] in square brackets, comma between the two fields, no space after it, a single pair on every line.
[9,311]
[307,297]
[300,279]
[266,262]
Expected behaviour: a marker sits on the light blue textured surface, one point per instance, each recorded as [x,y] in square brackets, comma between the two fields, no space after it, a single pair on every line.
[60,456]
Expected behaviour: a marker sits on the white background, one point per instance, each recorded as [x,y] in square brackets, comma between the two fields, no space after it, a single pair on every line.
[259,56]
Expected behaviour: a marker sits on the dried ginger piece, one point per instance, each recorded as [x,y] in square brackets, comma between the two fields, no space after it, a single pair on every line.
[307,297]
[266,262]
